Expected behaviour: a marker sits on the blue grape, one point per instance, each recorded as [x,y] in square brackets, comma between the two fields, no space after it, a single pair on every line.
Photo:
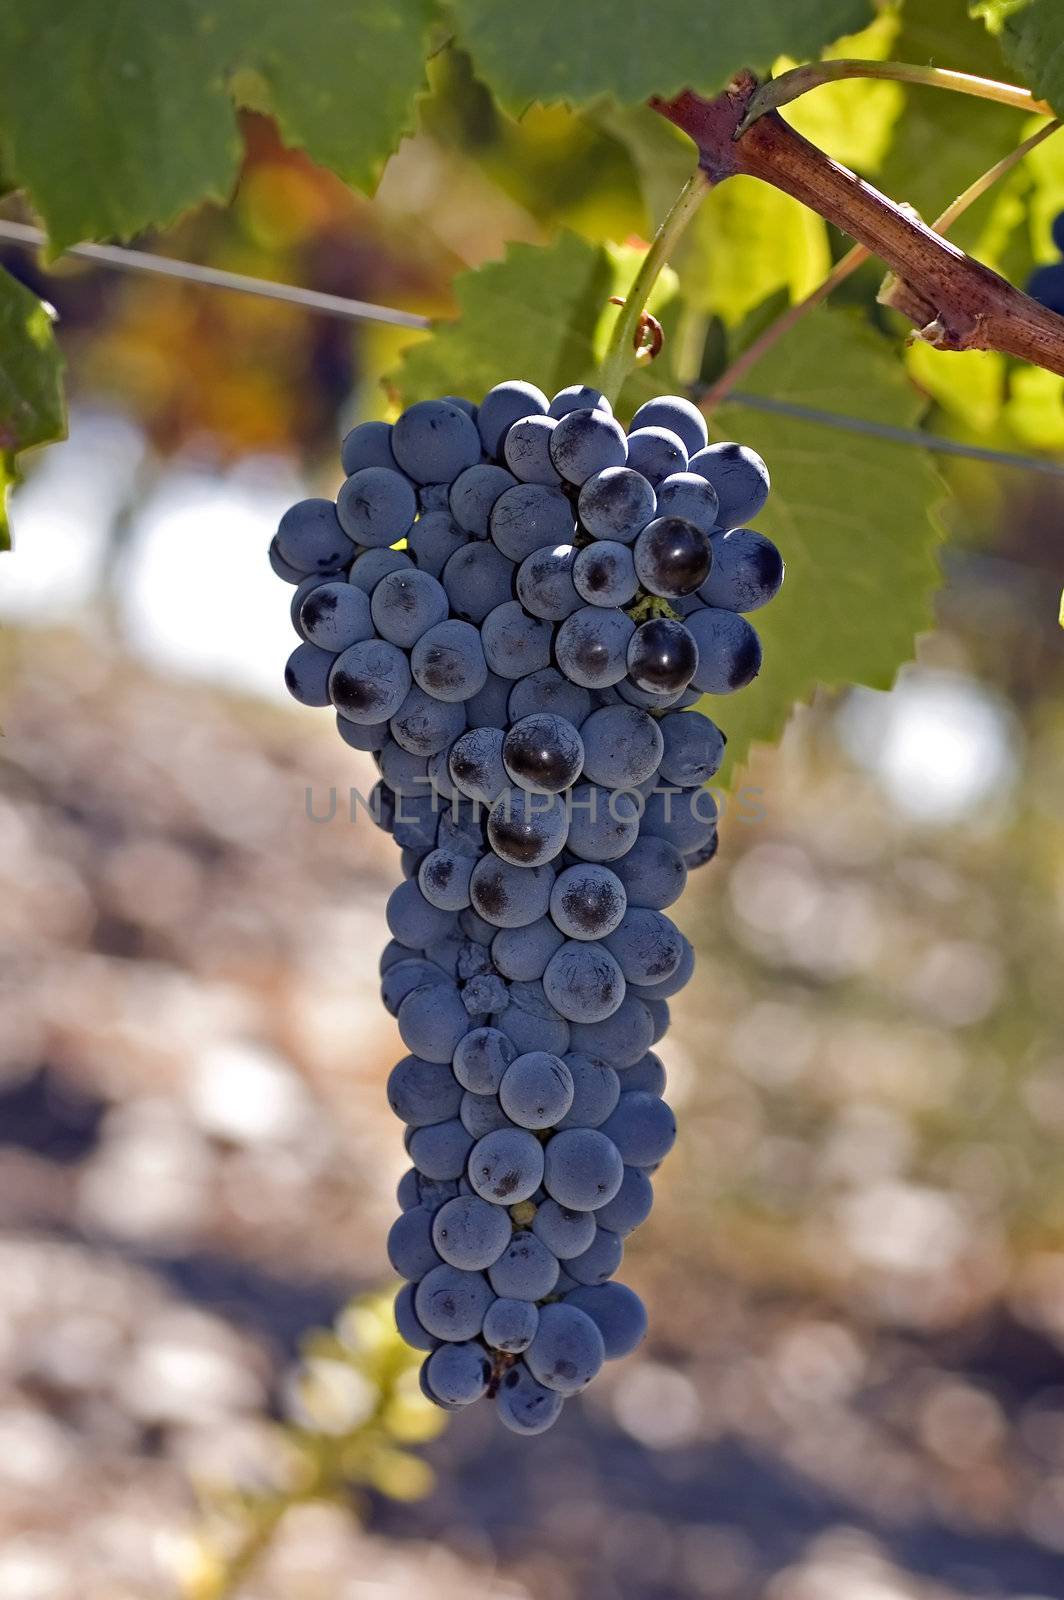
[586,442]
[528,829]
[600,1260]
[672,557]
[335,615]
[404,772]
[652,873]
[582,1168]
[525,1406]
[474,926]
[621,1038]
[476,766]
[642,1128]
[660,1015]
[473,958]
[548,691]
[423,1092]
[407,1323]
[481,1058]
[474,492]
[284,570]
[434,440]
[510,1325]
[434,1192]
[536,1090]
[488,707]
[662,658]
[369,444]
[740,478]
[451,1303]
[583,982]
[529,516]
[543,753]
[526,450]
[481,1114]
[1046,284]
[310,538]
[693,748]
[690,496]
[616,504]
[443,878]
[603,823]
[617,1312]
[545,582]
[448,661]
[413,920]
[391,955]
[369,681]
[458,1374]
[629,1208]
[686,818]
[647,1074]
[604,573]
[424,725]
[415,822]
[526,1270]
[371,566]
[515,644]
[304,586]
[587,901]
[729,651]
[565,1233]
[470,1233]
[656,453]
[646,945]
[680,416]
[485,995]
[596,1088]
[622,747]
[672,985]
[406,1190]
[477,578]
[441,1149]
[410,1248]
[578,397]
[509,896]
[504,405]
[590,646]
[433,540]
[306,674]
[432,1019]
[506,1166]
[376,507]
[531,1022]
[405,604]
[523,953]
[746,573]
[568,1349]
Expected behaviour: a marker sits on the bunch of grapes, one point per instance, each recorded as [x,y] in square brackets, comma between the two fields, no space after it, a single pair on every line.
[513,607]
[1046,284]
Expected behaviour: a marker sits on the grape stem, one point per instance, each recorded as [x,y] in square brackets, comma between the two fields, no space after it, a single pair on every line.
[848,264]
[621,353]
[799,80]
[955,302]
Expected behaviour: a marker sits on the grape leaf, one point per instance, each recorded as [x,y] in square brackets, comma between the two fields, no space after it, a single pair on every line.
[557,50]
[746,241]
[855,518]
[966,139]
[1032,41]
[120,116]
[31,401]
[532,315]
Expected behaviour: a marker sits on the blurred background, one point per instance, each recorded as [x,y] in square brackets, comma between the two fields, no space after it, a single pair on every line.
[853,1387]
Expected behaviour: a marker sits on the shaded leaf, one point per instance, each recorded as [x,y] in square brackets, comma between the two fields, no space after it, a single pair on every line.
[1032,40]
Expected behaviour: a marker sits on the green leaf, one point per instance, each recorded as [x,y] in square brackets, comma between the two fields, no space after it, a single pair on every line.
[748,240]
[118,115]
[1032,39]
[854,517]
[966,137]
[31,400]
[532,315]
[561,50]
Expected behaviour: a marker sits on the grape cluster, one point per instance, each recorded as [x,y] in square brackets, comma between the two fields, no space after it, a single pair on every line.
[513,606]
[1046,284]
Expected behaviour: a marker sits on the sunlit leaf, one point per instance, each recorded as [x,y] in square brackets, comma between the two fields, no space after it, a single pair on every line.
[31,400]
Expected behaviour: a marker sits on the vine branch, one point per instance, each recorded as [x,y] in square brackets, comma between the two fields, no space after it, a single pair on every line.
[954,301]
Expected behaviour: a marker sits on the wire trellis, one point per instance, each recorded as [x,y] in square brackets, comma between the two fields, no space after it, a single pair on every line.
[334,305]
